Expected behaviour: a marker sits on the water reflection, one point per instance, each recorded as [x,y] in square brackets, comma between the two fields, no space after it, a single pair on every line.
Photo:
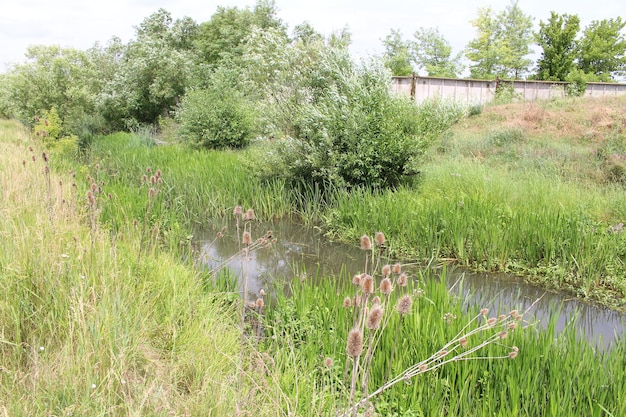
[300,250]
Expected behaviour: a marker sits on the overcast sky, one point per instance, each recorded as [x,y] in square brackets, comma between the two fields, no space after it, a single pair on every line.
[80,23]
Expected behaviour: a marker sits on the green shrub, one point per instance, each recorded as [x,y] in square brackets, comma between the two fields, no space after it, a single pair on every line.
[354,132]
[218,116]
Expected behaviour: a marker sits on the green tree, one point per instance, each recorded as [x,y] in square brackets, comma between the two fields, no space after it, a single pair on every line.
[223,37]
[557,38]
[397,56]
[153,73]
[603,49]
[52,77]
[432,52]
[502,43]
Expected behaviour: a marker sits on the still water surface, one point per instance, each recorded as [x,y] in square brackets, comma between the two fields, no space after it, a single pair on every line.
[302,250]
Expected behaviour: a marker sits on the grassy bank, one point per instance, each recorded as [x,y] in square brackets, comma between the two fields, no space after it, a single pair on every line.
[87,326]
[536,189]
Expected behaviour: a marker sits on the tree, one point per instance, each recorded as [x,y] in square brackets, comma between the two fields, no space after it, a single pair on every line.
[603,49]
[502,43]
[153,73]
[223,37]
[397,56]
[557,38]
[433,52]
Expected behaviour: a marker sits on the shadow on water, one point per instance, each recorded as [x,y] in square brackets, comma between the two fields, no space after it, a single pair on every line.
[301,250]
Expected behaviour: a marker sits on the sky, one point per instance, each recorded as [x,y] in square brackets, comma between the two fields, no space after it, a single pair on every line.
[81,23]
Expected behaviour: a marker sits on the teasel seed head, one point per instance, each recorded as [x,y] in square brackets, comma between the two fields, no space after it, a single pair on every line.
[463,342]
[503,334]
[237,211]
[512,326]
[386,270]
[328,362]
[250,214]
[404,304]
[484,311]
[262,292]
[513,354]
[367,284]
[153,179]
[374,318]
[423,367]
[366,242]
[513,313]
[347,302]
[379,238]
[385,286]
[356,279]
[246,239]
[44,156]
[501,317]
[260,303]
[148,170]
[151,193]
[354,346]
[492,321]
[397,268]
[158,173]
[403,280]
[376,300]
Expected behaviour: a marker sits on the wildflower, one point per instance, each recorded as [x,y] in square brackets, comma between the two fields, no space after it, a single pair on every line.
[246,239]
[404,304]
[397,268]
[385,286]
[354,346]
[367,284]
[41,348]
[366,243]
[379,238]
[374,318]
[402,280]
[449,317]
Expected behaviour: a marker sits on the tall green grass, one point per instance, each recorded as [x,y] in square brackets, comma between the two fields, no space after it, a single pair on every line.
[551,376]
[86,327]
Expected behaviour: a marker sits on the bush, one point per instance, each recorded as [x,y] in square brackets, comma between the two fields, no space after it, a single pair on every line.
[218,116]
[354,132]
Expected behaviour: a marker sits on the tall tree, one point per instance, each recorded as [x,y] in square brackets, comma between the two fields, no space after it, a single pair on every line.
[397,56]
[502,43]
[603,49]
[557,38]
[433,53]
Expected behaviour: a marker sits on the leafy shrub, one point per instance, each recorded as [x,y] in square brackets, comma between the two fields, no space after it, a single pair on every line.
[504,137]
[216,116]
[475,110]
[354,132]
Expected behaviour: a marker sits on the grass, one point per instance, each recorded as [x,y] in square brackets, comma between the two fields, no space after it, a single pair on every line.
[550,377]
[87,329]
[524,188]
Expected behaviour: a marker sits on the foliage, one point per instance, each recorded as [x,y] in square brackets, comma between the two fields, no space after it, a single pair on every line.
[603,49]
[433,53]
[353,131]
[63,78]
[221,39]
[216,116]
[154,71]
[502,43]
[557,38]
[397,56]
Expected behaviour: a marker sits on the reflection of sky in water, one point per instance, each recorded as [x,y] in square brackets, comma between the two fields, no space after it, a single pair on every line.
[301,250]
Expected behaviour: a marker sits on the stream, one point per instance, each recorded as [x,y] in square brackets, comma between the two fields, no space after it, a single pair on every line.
[300,250]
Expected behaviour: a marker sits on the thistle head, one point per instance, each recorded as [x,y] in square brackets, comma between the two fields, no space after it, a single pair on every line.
[354,345]
[385,286]
[366,242]
[374,318]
